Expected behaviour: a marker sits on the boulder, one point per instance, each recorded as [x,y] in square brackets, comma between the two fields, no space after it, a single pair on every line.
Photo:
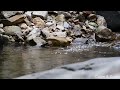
[13,31]
[104,34]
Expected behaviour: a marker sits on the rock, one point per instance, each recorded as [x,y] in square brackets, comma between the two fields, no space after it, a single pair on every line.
[87,13]
[66,25]
[41,14]
[1,25]
[23,26]
[50,21]
[80,41]
[8,14]
[3,39]
[91,25]
[1,31]
[53,12]
[49,24]
[103,34]
[60,27]
[46,32]
[29,14]
[66,14]
[13,31]
[92,17]
[33,34]
[77,31]
[58,41]
[39,22]
[27,22]
[16,19]
[59,34]
[60,18]
[37,41]
[101,21]
[81,18]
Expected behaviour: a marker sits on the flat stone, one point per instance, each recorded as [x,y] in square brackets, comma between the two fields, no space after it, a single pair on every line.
[17,19]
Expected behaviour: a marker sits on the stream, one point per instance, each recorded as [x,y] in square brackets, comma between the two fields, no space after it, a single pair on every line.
[16,60]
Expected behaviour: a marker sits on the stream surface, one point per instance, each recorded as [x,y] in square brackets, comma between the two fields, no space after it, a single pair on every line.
[16,61]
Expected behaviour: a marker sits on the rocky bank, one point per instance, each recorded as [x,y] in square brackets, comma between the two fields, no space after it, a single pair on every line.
[54,28]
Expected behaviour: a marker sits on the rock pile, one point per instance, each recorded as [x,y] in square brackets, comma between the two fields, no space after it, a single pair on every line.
[54,28]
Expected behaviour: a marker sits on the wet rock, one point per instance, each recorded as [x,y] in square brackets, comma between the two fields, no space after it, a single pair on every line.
[39,22]
[37,41]
[103,34]
[101,21]
[13,31]
[8,14]
[16,19]
[41,14]
[58,41]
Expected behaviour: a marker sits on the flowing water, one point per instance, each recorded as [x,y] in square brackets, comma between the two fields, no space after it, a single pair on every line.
[16,61]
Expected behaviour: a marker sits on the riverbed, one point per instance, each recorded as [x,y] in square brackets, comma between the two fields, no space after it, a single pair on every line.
[17,60]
